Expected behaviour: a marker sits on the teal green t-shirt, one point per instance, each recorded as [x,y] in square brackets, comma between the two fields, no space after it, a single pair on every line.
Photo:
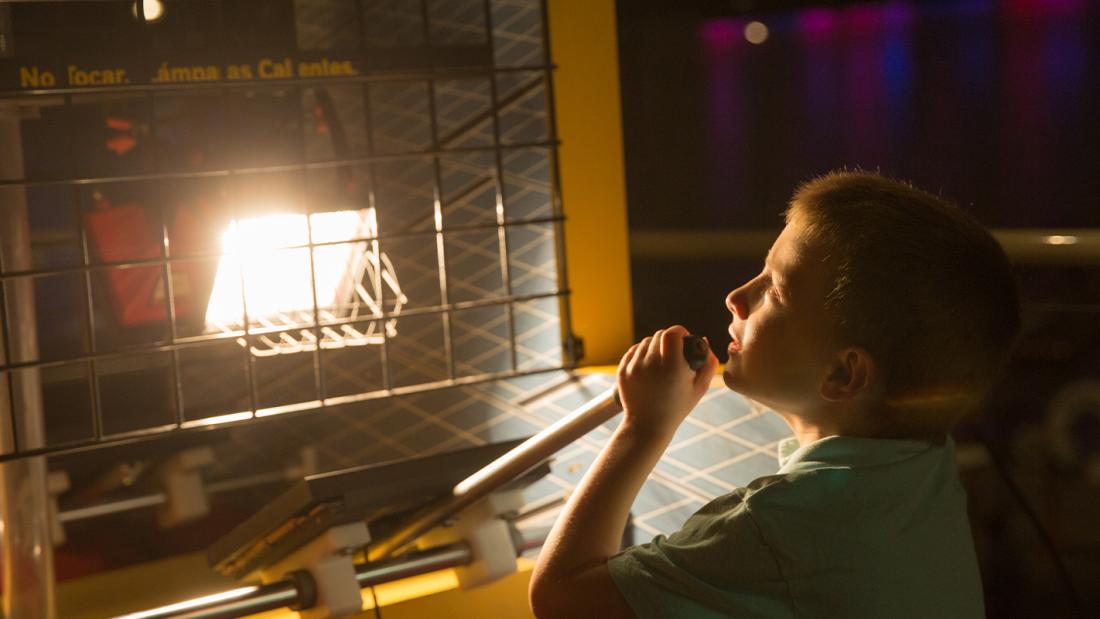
[848,527]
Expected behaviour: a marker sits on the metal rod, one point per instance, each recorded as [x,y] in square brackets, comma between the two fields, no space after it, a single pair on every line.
[232,603]
[568,337]
[169,430]
[496,106]
[159,498]
[377,282]
[255,599]
[216,338]
[413,564]
[440,238]
[26,551]
[511,465]
[519,460]
[285,167]
[208,255]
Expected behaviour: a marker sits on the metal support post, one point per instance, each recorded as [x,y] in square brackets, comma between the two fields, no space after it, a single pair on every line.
[24,494]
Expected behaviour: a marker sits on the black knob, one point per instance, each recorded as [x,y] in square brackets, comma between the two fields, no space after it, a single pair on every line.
[696,351]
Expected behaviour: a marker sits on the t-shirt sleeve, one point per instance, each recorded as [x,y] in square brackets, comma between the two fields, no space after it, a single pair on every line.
[717,565]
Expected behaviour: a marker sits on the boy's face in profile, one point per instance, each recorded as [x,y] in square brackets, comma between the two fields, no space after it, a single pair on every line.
[780,349]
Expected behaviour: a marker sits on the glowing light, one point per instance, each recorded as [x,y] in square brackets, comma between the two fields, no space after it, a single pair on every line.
[1058,239]
[277,281]
[220,419]
[756,32]
[232,594]
[289,408]
[151,9]
[268,269]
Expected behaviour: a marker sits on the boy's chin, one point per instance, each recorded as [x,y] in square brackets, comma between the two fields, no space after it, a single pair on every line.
[732,380]
[735,381]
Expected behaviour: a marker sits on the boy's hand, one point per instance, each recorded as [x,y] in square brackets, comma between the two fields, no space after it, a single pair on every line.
[656,386]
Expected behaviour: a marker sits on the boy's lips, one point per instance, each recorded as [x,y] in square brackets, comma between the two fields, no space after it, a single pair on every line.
[735,345]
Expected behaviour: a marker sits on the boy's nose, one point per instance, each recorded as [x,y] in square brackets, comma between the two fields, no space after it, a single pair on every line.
[735,303]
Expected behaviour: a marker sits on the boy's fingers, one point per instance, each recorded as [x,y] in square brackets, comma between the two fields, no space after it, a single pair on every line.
[626,358]
[672,343]
[653,353]
[704,374]
[640,354]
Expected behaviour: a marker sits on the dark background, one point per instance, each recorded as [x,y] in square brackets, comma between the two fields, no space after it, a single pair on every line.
[991,104]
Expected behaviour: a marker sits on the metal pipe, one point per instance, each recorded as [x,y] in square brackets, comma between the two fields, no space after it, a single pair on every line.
[28,579]
[518,461]
[159,498]
[255,599]
[511,465]
[413,564]
[232,603]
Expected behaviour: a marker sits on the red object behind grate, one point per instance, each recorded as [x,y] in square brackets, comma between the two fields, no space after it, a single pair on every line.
[128,233]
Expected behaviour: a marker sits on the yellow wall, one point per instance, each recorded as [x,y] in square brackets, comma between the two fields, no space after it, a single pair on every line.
[584,45]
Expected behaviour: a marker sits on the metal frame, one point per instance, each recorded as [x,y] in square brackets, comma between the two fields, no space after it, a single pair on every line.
[88,362]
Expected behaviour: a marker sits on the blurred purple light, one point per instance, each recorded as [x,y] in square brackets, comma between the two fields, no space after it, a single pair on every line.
[721,34]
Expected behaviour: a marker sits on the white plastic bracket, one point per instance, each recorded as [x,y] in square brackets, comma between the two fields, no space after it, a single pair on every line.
[328,559]
[307,464]
[57,483]
[483,528]
[181,480]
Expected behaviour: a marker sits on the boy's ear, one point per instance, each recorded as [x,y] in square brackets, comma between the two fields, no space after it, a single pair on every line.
[850,374]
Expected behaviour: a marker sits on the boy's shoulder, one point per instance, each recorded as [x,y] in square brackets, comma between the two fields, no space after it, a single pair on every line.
[847,476]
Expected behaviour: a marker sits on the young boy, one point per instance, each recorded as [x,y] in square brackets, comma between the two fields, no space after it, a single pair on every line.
[882,315]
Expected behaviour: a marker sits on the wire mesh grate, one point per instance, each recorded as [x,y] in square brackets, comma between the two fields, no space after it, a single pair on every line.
[250,208]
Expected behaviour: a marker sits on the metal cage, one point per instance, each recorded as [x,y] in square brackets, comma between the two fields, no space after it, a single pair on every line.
[390,165]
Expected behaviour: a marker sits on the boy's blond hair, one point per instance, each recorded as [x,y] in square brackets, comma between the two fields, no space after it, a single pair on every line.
[920,285]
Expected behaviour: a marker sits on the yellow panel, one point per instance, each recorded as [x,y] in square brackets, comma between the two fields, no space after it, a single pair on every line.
[584,46]
[139,587]
[503,599]
[168,581]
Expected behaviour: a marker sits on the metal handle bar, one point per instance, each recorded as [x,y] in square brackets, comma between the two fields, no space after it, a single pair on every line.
[516,462]
[379,568]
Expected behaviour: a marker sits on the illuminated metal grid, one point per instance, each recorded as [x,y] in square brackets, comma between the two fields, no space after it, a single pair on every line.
[457,163]
[723,445]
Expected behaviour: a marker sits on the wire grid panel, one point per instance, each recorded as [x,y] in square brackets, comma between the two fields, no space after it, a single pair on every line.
[415,196]
[722,445]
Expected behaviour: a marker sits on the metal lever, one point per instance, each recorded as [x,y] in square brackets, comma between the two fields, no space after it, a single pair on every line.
[518,461]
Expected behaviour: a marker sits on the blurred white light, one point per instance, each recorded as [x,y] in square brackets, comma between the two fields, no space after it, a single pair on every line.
[756,32]
[1058,239]
[220,419]
[276,280]
[151,9]
[232,594]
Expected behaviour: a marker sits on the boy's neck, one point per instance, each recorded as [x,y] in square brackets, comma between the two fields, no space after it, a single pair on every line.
[810,428]
[805,432]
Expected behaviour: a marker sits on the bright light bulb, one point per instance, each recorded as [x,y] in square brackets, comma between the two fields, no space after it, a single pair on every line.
[277,279]
[151,9]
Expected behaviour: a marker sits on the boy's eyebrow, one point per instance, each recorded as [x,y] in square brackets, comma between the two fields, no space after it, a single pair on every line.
[776,276]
